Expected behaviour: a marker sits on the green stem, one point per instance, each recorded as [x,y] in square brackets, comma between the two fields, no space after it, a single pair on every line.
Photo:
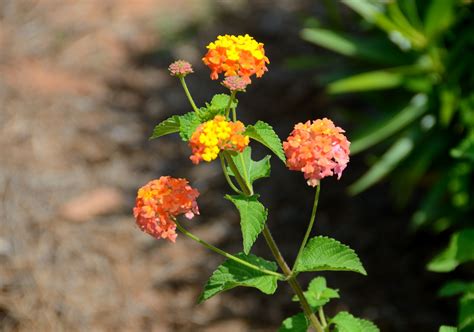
[322,317]
[310,225]
[231,99]
[186,91]
[276,252]
[226,254]
[247,190]
[227,177]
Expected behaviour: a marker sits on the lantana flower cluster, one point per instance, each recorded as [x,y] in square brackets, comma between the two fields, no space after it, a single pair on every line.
[160,201]
[236,56]
[318,149]
[215,135]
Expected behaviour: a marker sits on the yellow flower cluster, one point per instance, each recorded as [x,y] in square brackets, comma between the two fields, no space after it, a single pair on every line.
[239,56]
[235,44]
[215,135]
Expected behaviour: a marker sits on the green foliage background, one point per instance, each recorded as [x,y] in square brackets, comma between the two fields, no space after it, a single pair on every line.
[412,62]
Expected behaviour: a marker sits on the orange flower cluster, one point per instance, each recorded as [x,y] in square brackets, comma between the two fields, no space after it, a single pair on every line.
[160,201]
[236,56]
[317,149]
[215,135]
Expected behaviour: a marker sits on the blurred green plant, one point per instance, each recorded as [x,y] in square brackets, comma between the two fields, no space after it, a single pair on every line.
[412,60]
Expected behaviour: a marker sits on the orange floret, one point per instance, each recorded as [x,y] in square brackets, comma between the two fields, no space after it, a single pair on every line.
[160,201]
[317,149]
[236,56]
[215,135]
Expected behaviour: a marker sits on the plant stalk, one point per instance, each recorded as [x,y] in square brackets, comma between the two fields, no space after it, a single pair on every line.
[310,225]
[186,91]
[226,254]
[276,252]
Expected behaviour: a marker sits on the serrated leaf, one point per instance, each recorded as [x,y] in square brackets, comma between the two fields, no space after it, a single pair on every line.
[345,322]
[222,100]
[231,274]
[252,217]
[445,328]
[254,170]
[168,126]
[459,250]
[188,124]
[318,294]
[326,254]
[264,133]
[217,106]
[296,323]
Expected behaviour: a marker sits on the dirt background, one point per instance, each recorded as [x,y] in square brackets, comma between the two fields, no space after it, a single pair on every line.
[82,83]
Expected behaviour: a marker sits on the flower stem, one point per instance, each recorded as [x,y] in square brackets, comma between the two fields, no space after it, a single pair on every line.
[186,91]
[310,225]
[226,254]
[231,99]
[226,175]
[247,190]
[276,252]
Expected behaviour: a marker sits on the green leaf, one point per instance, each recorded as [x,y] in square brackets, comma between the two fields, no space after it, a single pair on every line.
[466,313]
[254,170]
[252,217]
[326,254]
[397,152]
[345,322]
[374,80]
[264,133]
[456,287]
[465,149]
[459,250]
[168,126]
[217,106]
[445,328]
[448,99]
[221,101]
[375,50]
[188,124]
[318,294]
[296,323]
[439,17]
[232,274]
[417,106]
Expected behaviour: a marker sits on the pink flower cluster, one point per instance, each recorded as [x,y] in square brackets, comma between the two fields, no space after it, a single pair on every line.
[180,68]
[235,83]
[317,149]
[160,201]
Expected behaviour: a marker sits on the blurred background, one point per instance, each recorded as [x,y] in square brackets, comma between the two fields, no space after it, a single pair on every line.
[83,83]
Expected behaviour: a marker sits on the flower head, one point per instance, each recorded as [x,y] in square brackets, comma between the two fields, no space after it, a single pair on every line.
[160,201]
[317,149]
[235,83]
[236,56]
[180,68]
[215,135]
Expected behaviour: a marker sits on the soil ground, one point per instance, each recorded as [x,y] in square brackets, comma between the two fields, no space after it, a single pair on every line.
[82,83]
